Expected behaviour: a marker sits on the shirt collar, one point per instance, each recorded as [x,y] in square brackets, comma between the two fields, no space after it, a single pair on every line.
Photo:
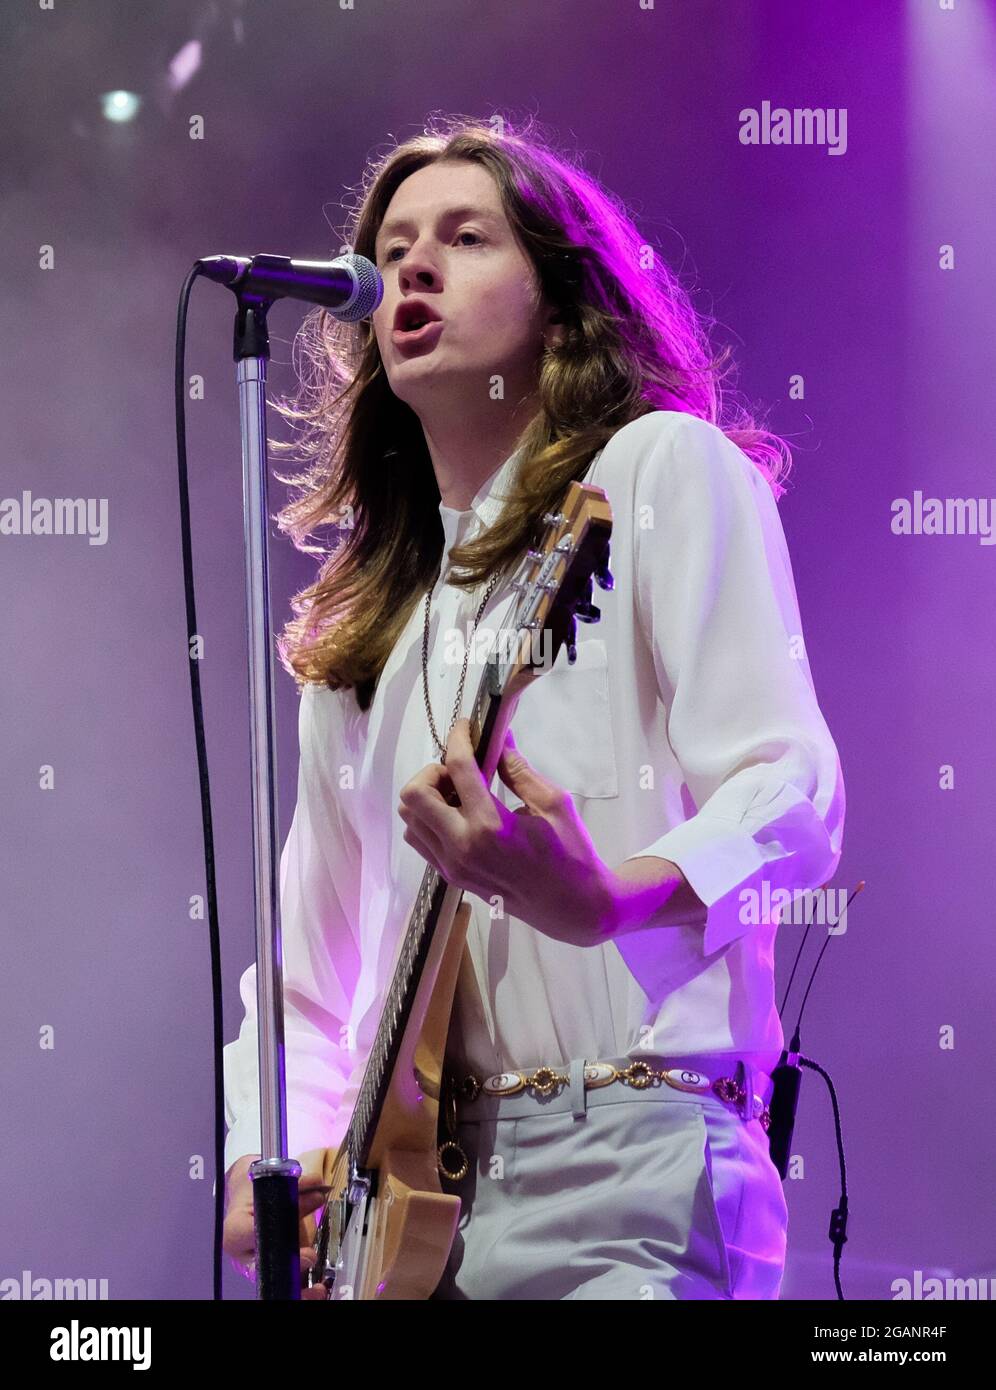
[484,508]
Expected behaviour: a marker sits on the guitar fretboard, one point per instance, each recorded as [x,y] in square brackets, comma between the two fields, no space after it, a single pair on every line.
[400,996]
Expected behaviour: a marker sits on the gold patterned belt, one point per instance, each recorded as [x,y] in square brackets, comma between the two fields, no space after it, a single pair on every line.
[545,1080]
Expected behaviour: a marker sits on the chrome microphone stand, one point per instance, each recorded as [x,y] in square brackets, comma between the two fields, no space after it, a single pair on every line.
[351,288]
[274,1175]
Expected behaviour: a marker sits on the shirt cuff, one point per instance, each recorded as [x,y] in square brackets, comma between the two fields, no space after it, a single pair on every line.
[718,858]
[304,1132]
[242,1140]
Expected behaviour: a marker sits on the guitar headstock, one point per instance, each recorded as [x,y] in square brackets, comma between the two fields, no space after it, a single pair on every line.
[554,582]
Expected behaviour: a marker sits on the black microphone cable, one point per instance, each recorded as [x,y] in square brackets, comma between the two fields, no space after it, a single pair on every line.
[787,1081]
[214,936]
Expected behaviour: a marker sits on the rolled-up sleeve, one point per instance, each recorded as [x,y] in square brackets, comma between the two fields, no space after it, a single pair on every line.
[717,603]
[319,887]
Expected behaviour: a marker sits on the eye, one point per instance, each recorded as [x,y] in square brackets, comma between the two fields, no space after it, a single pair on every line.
[389,255]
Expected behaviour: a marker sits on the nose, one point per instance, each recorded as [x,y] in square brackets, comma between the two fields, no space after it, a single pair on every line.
[416,267]
[419,274]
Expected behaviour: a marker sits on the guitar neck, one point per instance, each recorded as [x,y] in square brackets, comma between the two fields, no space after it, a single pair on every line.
[489,719]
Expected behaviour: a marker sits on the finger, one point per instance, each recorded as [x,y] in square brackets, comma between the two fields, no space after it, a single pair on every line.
[435,789]
[314,1291]
[463,769]
[242,1253]
[435,818]
[311,1198]
[522,778]
[463,877]
[429,852]
[426,811]
[432,777]
[241,1264]
[425,802]
[508,744]
[239,1238]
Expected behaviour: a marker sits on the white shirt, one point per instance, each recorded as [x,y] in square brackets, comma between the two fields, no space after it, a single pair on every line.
[688,729]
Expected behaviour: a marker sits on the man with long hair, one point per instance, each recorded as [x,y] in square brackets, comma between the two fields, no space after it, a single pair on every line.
[614,1026]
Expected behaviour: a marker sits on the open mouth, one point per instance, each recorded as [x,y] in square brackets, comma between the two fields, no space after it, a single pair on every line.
[412,317]
[420,331]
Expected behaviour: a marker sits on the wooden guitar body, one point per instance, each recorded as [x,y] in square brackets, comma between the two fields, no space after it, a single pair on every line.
[404,1230]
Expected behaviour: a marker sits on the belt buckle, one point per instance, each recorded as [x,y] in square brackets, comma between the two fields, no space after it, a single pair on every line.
[686,1079]
[597,1074]
[504,1083]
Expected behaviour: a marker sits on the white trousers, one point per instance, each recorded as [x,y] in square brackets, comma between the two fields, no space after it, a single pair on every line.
[615,1193]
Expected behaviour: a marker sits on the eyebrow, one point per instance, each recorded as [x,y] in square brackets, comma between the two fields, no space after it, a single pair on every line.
[396,224]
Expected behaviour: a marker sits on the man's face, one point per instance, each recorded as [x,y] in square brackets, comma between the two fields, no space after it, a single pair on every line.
[445,240]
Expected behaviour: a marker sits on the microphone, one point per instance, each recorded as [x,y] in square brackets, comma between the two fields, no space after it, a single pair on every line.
[350,287]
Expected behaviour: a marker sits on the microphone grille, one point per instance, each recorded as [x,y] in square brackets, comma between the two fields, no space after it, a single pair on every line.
[369,288]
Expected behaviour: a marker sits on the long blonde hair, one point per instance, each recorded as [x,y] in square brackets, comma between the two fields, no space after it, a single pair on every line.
[634,343]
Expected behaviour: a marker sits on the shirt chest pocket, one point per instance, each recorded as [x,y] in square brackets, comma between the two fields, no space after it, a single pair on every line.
[563,723]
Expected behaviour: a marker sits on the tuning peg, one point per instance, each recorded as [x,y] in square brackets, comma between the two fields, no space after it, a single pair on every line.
[521,577]
[603,575]
[572,632]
